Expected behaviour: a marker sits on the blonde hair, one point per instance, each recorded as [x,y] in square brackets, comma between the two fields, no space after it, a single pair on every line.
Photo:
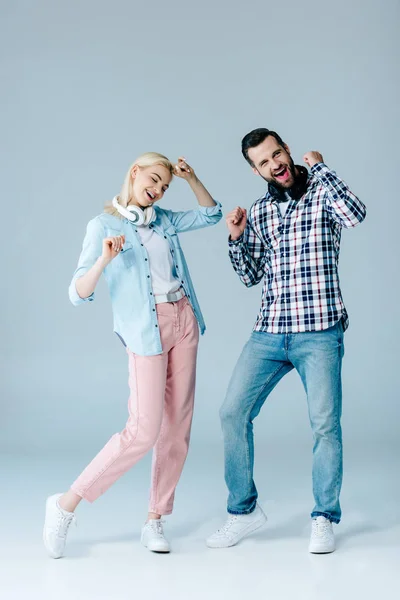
[148,159]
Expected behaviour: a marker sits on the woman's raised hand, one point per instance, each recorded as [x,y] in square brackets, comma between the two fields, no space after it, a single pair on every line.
[112,246]
[183,170]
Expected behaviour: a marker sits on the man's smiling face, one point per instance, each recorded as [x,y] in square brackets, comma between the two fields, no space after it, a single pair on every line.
[273,162]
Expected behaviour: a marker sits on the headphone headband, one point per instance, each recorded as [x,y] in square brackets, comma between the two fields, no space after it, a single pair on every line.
[135,214]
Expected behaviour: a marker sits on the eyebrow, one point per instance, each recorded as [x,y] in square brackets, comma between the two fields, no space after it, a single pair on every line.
[159,179]
[266,159]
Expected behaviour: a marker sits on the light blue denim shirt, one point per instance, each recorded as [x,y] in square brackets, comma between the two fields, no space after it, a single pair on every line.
[128,275]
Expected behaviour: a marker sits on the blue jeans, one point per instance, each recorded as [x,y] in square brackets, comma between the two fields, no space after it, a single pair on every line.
[265,359]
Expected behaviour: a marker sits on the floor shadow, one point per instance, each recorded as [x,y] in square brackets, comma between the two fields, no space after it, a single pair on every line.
[79,548]
[292,528]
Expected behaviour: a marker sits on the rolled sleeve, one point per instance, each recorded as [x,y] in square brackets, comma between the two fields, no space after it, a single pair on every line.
[91,250]
[189,220]
[344,207]
[235,243]
[74,296]
[212,211]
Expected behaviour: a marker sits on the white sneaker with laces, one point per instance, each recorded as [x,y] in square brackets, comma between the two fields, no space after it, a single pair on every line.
[56,525]
[235,528]
[153,536]
[322,538]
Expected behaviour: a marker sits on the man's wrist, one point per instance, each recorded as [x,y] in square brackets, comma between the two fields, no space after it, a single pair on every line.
[235,240]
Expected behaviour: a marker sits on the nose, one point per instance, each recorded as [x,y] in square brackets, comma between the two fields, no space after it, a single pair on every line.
[275,164]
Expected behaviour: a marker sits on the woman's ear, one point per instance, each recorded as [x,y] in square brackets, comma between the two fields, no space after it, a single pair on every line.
[134,171]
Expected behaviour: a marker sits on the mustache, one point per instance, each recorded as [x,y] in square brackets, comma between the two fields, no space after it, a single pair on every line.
[292,168]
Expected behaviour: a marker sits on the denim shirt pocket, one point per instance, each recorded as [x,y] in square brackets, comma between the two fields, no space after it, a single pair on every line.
[127,256]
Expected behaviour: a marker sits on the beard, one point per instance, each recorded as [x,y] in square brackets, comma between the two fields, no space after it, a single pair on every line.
[292,170]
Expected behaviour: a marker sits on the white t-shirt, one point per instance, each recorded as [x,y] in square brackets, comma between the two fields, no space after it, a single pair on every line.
[162,270]
[283,207]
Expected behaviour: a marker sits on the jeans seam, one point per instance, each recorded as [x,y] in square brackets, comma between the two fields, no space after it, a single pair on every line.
[248,415]
[338,426]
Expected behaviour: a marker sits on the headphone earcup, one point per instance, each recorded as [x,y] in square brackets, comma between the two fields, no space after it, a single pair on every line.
[149,215]
[276,193]
[301,184]
[138,215]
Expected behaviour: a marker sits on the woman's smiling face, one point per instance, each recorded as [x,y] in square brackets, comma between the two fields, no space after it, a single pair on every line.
[149,184]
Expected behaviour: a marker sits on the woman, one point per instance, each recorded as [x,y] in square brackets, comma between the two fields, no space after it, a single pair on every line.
[157,317]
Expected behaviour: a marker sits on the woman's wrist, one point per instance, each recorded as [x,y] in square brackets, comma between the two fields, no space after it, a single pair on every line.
[103,262]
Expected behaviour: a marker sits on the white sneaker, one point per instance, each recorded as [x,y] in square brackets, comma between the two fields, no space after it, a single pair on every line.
[153,536]
[56,525]
[322,539]
[236,528]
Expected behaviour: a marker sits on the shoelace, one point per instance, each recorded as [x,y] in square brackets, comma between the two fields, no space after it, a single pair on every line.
[228,524]
[157,527]
[63,523]
[321,528]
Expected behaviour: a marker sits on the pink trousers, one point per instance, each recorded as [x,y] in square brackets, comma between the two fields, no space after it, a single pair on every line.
[160,413]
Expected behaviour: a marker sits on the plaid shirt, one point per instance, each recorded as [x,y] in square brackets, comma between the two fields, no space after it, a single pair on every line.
[298,254]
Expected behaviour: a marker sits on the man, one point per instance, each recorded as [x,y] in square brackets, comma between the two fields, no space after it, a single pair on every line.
[291,241]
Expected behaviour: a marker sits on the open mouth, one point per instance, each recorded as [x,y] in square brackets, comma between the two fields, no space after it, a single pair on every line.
[282,174]
[150,196]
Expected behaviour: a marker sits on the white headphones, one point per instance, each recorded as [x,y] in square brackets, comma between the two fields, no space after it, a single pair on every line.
[139,216]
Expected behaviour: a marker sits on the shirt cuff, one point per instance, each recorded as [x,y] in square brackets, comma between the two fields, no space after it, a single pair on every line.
[210,211]
[320,168]
[235,243]
[75,297]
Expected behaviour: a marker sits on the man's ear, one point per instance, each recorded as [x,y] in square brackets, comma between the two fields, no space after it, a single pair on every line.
[287,148]
[255,171]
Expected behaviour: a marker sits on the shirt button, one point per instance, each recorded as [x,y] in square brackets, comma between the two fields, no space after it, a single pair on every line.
[176,266]
[156,325]
[145,259]
[182,282]
[151,293]
[141,244]
[154,310]
[165,237]
[148,276]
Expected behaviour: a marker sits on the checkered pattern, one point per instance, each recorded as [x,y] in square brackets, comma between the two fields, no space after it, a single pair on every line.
[297,255]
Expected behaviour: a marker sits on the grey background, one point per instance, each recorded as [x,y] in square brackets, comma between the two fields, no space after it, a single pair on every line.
[86,87]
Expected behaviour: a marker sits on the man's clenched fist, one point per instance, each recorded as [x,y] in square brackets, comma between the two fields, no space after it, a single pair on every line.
[236,221]
[312,158]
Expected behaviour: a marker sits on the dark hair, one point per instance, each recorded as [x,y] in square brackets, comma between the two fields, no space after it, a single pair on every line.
[256,137]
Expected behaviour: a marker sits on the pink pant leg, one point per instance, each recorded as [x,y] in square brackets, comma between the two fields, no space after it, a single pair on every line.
[147,381]
[171,449]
